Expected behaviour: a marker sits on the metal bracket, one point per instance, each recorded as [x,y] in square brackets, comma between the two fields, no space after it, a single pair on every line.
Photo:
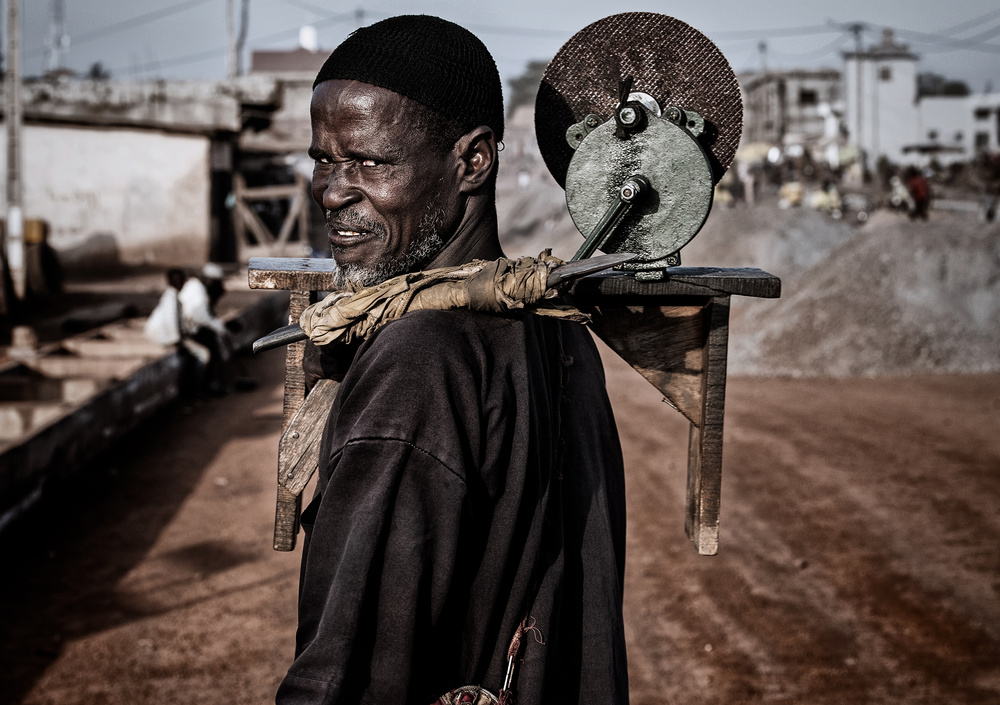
[579,131]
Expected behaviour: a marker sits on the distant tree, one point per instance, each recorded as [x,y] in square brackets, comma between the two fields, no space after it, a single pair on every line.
[524,88]
[98,72]
[935,84]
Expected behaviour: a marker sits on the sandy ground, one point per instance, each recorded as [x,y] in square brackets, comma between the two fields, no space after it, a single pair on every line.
[858,564]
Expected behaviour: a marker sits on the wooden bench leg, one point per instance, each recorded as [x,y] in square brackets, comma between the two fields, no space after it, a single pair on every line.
[704,482]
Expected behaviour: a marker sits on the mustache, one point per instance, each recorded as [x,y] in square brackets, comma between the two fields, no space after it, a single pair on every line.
[349,219]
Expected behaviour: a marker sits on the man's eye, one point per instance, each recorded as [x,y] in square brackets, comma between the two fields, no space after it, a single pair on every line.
[369,162]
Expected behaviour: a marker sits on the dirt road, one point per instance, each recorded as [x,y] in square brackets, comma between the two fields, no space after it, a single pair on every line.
[859,559]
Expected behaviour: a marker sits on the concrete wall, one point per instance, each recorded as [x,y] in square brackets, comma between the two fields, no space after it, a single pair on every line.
[200,107]
[117,195]
[290,129]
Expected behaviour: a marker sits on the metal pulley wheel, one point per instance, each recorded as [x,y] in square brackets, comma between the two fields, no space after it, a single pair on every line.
[639,95]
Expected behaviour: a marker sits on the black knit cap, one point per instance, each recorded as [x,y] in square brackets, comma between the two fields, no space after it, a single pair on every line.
[432,61]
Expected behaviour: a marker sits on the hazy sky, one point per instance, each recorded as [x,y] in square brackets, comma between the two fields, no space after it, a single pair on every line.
[187,38]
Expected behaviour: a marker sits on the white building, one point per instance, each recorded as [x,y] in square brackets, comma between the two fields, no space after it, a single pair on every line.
[880,94]
[885,115]
[957,128]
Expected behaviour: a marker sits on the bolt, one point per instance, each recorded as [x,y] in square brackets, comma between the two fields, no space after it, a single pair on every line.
[628,192]
[592,121]
[628,116]
[674,114]
[295,434]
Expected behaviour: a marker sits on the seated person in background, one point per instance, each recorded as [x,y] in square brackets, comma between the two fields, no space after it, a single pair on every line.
[200,324]
[164,324]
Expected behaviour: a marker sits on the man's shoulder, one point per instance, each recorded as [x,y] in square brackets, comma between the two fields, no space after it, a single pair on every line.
[445,329]
[433,344]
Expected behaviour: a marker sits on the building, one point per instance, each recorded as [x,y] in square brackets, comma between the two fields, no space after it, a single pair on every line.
[885,115]
[782,107]
[956,128]
[135,173]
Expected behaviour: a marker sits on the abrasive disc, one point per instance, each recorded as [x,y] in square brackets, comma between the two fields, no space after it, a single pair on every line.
[670,60]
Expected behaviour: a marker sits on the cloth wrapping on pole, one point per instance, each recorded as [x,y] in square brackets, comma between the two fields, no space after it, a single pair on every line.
[498,286]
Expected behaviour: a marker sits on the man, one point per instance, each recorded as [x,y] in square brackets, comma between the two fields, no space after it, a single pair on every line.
[205,333]
[470,472]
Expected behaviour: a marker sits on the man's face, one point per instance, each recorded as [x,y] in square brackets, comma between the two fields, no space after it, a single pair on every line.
[390,197]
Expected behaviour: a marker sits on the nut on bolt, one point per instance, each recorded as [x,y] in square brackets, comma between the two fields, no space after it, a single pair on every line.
[634,187]
[628,115]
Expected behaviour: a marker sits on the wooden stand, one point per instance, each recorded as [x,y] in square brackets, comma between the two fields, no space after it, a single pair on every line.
[674,332]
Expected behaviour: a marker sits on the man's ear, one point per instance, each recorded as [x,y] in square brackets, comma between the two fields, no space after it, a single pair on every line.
[477,150]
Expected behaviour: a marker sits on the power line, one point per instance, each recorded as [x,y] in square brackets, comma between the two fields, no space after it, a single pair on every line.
[775,32]
[129,23]
[493,28]
[828,48]
[975,43]
[188,58]
[274,36]
[519,31]
[316,9]
[968,24]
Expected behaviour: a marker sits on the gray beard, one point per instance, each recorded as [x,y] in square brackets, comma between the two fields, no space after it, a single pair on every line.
[421,250]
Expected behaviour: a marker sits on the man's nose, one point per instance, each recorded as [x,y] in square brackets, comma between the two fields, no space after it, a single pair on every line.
[334,190]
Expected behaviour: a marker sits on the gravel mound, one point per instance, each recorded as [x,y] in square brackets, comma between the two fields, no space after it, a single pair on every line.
[897,298]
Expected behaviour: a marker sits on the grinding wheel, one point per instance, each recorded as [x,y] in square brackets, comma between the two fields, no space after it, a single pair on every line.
[669,60]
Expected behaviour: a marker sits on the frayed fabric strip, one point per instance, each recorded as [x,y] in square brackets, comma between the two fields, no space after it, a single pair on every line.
[499,286]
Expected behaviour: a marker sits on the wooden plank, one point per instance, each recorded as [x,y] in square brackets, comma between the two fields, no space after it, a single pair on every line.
[705,442]
[290,219]
[288,506]
[662,343]
[298,451]
[288,273]
[254,223]
[271,193]
[304,234]
[287,509]
[98,347]
[682,281]
[239,227]
[96,367]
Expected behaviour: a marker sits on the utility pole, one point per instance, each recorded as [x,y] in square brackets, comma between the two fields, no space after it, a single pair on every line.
[241,38]
[14,234]
[857,28]
[231,67]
